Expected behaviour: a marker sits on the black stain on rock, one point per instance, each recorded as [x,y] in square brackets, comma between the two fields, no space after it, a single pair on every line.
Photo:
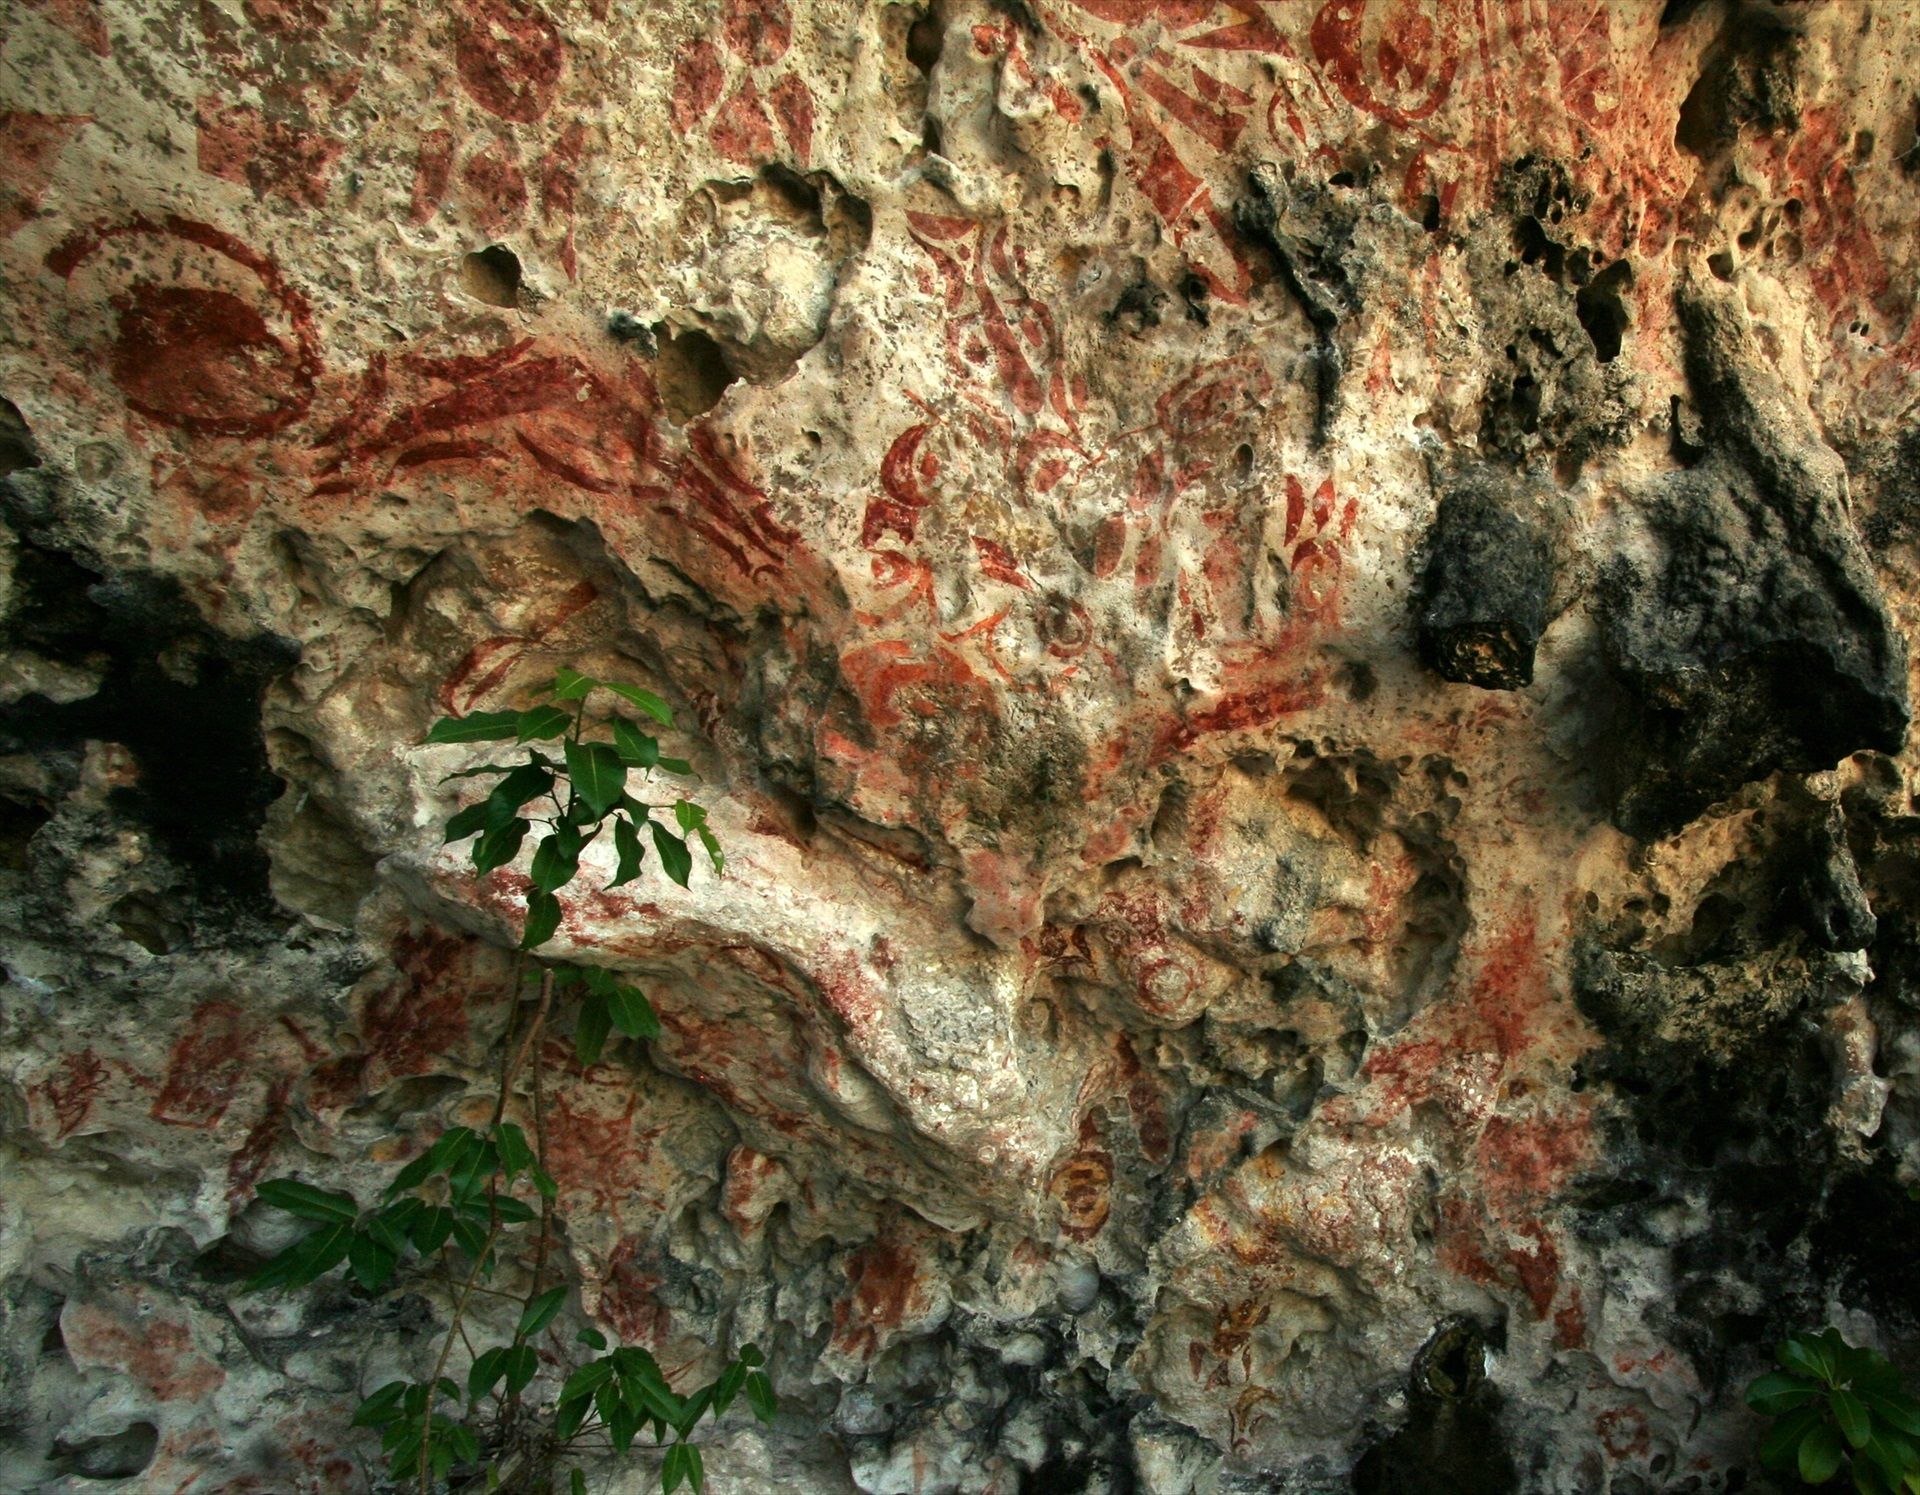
[183,698]
[1309,230]
[1747,632]
[1483,595]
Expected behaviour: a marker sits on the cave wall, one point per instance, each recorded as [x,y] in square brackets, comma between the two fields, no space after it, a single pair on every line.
[1292,616]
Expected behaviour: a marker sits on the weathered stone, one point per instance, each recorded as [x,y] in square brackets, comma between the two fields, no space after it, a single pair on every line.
[1154,1032]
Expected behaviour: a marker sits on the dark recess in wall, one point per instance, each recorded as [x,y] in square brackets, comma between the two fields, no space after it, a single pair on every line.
[182,698]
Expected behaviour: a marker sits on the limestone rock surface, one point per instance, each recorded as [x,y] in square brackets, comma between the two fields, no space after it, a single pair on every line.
[1292,615]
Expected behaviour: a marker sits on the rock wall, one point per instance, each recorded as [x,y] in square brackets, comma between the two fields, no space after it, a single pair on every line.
[1292,616]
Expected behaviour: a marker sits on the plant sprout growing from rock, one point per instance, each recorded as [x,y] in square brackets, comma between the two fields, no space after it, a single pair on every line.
[448,1214]
[1839,1407]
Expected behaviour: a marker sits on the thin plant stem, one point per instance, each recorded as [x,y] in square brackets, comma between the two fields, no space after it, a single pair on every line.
[440,1365]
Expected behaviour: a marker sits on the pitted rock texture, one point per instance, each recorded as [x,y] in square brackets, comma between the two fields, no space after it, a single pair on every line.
[1293,616]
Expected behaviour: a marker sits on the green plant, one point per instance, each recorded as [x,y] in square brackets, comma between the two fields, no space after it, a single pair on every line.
[445,1214]
[1836,1406]
[594,775]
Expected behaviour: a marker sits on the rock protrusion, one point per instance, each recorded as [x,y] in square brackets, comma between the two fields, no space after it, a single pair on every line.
[1748,633]
[1484,593]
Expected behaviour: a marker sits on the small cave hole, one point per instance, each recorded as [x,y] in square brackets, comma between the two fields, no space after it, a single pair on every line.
[147,922]
[691,373]
[1602,309]
[492,275]
[1721,264]
[118,1456]
[16,440]
[1430,213]
[925,38]
[19,821]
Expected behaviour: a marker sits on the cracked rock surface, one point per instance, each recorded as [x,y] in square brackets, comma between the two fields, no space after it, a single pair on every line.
[1293,617]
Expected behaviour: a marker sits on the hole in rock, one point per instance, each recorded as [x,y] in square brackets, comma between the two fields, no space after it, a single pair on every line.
[19,822]
[1602,309]
[692,374]
[118,1456]
[145,921]
[924,40]
[1721,264]
[16,440]
[492,275]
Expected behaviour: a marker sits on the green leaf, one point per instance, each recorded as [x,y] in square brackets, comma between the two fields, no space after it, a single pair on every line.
[632,1013]
[694,1409]
[1886,1457]
[543,1181]
[471,1237]
[599,777]
[476,726]
[510,1211]
[675,859]
[464,1445]
[728,1387]
[389,1226]
[498,845]
[750,1356]
[521,1363]
[1779,1391]
[380,1408]
[515,1155]
[1899,1411]
[568,1416]
[1809,1355]
[677,765]
[1783,1438]
[590,1033]
[430,1229]
[308,1259]
[525,782]
[577,1483]
[588,1379]
[713,848]
[688,814]
[556,859]
[571,685]
[633,745]
[760,1396]
[1851,1414]
[452,1150]
[542,722]
[371,1261]
[681,1463]
[487,1368]
[646,700]
[308,1202]
[411,1176]
[404,1449]
[626,842]
[478,771]
[468,822]
[539,1313]
[592,1337]
[1819,1454]
[543,919]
